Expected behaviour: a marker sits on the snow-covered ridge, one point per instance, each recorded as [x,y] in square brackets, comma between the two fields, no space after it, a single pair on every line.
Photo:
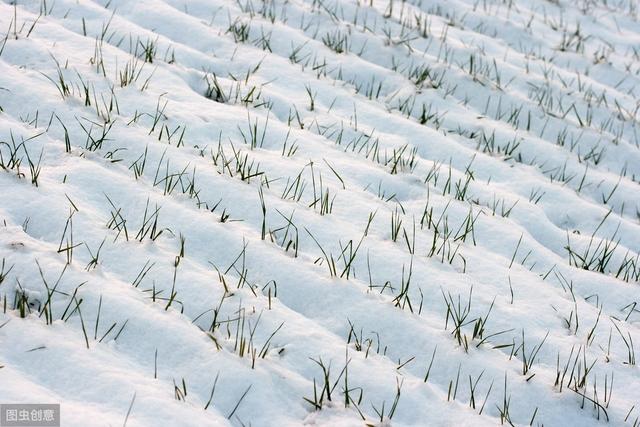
[321,212]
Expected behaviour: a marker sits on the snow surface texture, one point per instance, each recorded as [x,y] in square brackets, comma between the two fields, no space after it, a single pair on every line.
[321,212]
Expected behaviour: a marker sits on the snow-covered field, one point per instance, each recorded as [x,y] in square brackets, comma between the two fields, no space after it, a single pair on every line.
[321,212]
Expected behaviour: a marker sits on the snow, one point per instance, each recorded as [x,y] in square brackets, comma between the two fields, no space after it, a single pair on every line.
[204,203]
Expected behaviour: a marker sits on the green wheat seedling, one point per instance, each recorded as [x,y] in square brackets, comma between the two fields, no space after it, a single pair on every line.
[571,322]
[238,90]
[62,85]
[289,148]
[75,308]
[312,97]
[467,227]
[35,166]
[4,270]
[117,222]
[170,134]
[189,188]
[213,390]
[85,91]
[327,258]
[95,258]
[296,56]
[371,89]
[503,409]
[410,241]
[238,164]
[322,198]
[67,245]
[338,41]
[382,194]
[577,381]
[488,145]
[599,254]
[365,345]
[255,137]
[595,400]
[289,239]
[126,417]
[67,139]
[216,321]
[536,195]
[246,169]
[239,30]
[573,41]
[406,105]
[592,332]
[294,188]
[426,117]
[264,214]
[21,301]
[628,342]
[138,166]
[143,273]
[148,50]
[169,181]
[402,299]
[380,412]
[156,294]
[131,73]
[97,59]
[180,391]
[560,174]
[10,157]
[244,342]
[607,198]
[264,40]
[631,307]
[149,227]
[158,114]
[473,385]
[95,142]
[579,372]
[46,309]
[396,225]
[110,329]
[629,269]
[594,258]
[370,219]
[528,359]
[3,43]
[459,314]
[442,247]
[348,256]
[425,76]
[361,143]
[479,328]
[403,159]
[235,408]
[328,384]
[239,266]
[271,289]
[214,90]
[567,285]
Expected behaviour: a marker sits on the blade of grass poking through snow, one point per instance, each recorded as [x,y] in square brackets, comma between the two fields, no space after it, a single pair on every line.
[213,390]
[235,408]
[126,418]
